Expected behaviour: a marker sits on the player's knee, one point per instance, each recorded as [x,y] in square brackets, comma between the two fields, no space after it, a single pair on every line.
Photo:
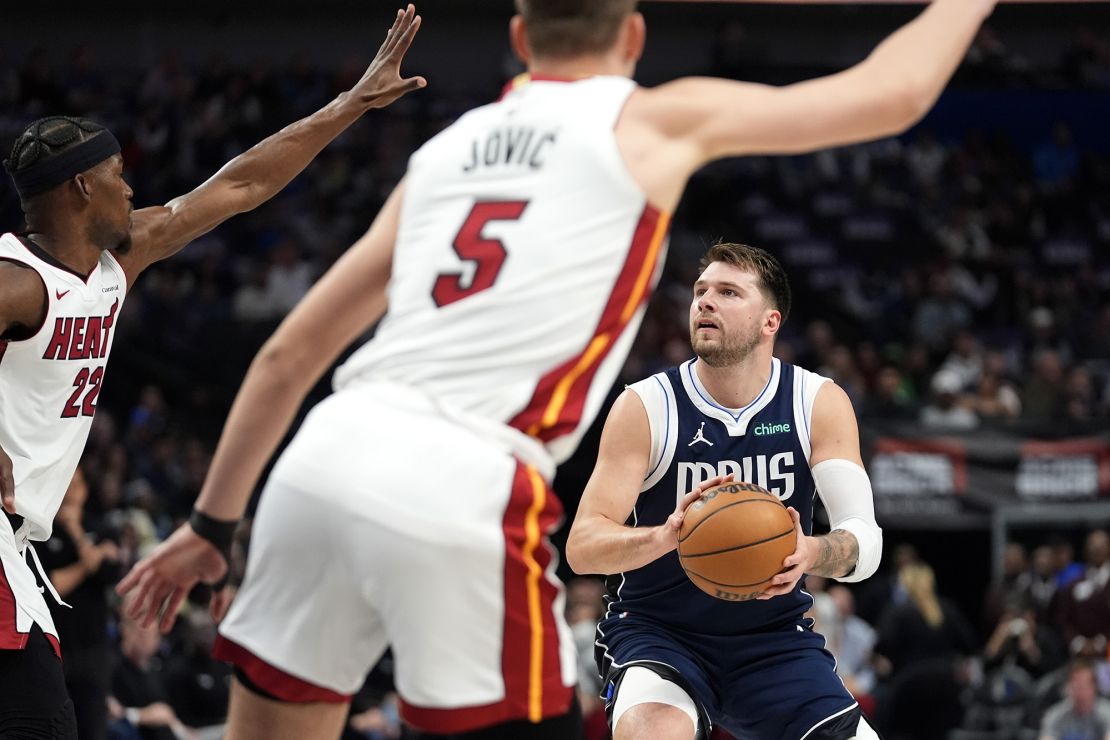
[656,721]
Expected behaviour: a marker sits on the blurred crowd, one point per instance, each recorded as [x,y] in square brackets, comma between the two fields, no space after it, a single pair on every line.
[955,281]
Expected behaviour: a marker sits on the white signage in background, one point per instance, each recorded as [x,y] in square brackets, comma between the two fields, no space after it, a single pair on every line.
[912,474]
[918,467]
[1071,469]
[1073,476]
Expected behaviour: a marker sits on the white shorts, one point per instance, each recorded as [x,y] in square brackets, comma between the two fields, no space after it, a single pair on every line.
[383,524]
[21,603]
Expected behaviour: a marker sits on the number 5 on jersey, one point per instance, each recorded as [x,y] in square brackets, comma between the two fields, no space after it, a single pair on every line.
[488,255]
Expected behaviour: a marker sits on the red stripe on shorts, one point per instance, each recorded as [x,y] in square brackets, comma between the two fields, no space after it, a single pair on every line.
[271,679]
[530,660]
[10,637]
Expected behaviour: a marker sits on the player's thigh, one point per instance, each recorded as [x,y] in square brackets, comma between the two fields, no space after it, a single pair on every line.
[649,706]
[784,687]
[471,604]
[299,626]
[34,704]
[254,717]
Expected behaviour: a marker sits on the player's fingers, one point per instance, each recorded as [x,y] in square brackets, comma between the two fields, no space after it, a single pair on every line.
[404,39]
[391,34]
[219,604]
[169,612]
[142,603]
[404,20]
[412,83]
[129,580]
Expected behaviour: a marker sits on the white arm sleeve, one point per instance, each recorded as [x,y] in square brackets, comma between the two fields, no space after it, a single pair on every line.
[845,490]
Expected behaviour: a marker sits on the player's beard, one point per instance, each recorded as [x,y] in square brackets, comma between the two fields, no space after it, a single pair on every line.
[726,350]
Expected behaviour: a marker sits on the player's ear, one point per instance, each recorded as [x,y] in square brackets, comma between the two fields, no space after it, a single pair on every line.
[82,187]
[773,321]
[634,37]
[518,38]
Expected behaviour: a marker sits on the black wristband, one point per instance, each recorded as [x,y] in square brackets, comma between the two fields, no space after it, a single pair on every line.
[219,533]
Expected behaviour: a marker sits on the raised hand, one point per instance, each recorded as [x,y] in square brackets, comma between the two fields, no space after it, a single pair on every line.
[382,83]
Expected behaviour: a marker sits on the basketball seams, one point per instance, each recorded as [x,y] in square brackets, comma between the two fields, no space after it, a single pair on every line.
[771,500]
[726,585]
[738,547]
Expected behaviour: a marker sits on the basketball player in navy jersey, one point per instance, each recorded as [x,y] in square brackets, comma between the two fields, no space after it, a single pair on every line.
[61,288]
[483,367]
[674,659]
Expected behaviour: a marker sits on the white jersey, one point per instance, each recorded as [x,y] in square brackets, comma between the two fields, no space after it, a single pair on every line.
[49,382]
[525,256]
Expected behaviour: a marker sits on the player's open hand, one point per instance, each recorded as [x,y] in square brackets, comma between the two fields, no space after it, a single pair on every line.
[382,83]
[796,565]
[674,521]
[163,579]
[7,482]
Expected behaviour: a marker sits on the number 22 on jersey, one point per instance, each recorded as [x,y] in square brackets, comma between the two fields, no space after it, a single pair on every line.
[488,255]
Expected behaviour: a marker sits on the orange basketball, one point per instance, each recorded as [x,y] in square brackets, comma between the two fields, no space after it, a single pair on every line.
[734,539]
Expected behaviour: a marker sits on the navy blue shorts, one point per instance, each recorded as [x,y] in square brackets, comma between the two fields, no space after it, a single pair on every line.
[774,685]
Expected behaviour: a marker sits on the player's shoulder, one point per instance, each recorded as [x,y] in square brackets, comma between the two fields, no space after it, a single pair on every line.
[653,386]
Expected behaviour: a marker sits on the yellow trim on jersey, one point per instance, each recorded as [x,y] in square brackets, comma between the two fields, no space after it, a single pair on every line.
[601,341]
[535,615]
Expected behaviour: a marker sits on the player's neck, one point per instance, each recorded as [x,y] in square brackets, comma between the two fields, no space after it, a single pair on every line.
[574,68]
[67,242]
[738,385]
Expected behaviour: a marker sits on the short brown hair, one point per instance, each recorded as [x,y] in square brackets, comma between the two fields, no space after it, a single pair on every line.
[772,277]
[567,28]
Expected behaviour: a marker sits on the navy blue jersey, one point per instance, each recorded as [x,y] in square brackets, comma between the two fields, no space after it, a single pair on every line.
[693,439]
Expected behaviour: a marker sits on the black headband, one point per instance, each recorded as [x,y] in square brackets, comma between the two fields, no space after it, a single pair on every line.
[49,173]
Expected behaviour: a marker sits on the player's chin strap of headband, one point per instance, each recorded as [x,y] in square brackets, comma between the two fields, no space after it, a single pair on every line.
[220,534]
[50,173]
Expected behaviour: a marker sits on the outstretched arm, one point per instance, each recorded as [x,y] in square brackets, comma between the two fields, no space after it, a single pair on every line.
[340,308]
[881,96]
[262,171]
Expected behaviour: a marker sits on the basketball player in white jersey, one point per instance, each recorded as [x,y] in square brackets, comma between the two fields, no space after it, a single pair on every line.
[512,265]
[62,285]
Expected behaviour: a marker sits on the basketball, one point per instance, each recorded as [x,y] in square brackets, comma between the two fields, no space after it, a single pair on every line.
[734,539]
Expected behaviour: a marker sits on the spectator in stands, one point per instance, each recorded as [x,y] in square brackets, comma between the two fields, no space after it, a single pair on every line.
[1038,585]
[1083,613]
[891,398]
[82,560]
[1083,714]
[1015,567]
[921,643]
[851,641]
[141,699]
[1043,395]
[1021,639]
[925,627]
[948,409]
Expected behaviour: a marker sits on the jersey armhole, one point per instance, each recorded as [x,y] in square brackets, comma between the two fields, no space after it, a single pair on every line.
[657,395]
[806,386]
[45,302]
[118,267]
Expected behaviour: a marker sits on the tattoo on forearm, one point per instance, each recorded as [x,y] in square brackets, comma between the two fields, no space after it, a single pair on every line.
[838,556]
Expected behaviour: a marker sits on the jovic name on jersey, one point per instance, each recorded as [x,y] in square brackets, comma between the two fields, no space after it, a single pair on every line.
[693,439]
[50,380]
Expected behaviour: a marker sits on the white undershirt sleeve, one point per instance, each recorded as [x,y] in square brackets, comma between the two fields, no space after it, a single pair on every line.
[845,490]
